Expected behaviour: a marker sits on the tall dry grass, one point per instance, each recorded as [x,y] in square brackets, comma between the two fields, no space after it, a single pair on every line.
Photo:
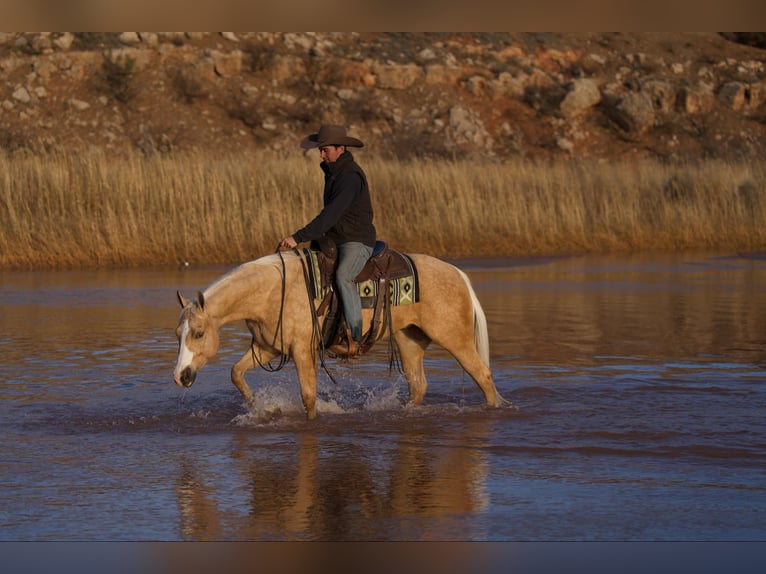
[94,210]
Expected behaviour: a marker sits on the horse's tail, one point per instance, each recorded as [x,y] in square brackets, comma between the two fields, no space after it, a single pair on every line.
[480,332]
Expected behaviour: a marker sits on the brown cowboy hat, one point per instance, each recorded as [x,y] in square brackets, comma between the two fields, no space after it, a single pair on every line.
[330,135]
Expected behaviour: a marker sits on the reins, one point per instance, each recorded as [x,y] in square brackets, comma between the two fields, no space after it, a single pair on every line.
[284,357]
[316,336]
[316,339]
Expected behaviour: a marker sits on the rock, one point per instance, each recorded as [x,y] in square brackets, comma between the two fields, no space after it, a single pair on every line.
[397,76]
[596,59]
[249,90]
[476,85]
[634,112]
[64,41]
[150,39]
[345,73]
[44,69]
[507,85]
[467,127]
[303,41]
[565,144]
[22,95]
[440,74]
[757,93]
[583,94]
[285,68]
[734,95]
[697,99]
[426,55]
[41,43]
[552,60]
[130,38]
[662,94]
[227,64]
[78,105]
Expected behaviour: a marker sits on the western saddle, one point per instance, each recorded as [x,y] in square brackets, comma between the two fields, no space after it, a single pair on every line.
[384,265]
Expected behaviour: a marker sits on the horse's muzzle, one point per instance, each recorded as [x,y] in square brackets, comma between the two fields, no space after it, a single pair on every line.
[186,379]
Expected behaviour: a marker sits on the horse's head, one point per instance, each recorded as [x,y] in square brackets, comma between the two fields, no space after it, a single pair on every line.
[197,340]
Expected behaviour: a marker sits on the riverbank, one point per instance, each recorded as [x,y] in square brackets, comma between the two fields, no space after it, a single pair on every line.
[93,210]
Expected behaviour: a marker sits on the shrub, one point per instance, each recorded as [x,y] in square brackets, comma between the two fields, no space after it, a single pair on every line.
[117,72]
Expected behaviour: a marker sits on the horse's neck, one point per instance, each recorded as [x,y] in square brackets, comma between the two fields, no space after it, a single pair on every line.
[243,293]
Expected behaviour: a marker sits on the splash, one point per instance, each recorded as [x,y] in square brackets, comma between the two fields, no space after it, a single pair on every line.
[352,395]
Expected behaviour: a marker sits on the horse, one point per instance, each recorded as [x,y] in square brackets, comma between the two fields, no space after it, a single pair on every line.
[270,295]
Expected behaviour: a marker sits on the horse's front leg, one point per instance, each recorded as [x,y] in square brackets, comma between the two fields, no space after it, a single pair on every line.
[248,361]
[306,365]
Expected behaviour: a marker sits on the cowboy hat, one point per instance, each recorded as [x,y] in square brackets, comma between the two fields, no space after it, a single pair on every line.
[330,135]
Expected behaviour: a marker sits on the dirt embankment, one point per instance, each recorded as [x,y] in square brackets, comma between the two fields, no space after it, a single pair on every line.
[673,96]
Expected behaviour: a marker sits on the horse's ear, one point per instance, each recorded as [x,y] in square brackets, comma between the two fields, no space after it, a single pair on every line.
[200,300]
[182,300]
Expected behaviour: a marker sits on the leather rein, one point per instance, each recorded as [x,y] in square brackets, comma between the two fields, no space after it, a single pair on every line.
[316,339]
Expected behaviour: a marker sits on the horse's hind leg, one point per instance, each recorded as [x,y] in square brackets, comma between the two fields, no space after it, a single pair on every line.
[412,343]
[470,360]
[482,376]
[456,343]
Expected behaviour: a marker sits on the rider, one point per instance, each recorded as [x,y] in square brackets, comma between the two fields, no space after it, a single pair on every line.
[346,219]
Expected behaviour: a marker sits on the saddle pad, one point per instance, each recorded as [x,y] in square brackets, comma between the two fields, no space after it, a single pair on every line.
[404,291]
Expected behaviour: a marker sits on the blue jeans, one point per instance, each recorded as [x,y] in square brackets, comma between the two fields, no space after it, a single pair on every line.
[351,258]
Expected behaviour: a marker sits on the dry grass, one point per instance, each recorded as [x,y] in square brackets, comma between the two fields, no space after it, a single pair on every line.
[92,210]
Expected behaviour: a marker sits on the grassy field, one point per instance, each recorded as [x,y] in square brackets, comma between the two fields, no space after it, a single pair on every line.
[90,210]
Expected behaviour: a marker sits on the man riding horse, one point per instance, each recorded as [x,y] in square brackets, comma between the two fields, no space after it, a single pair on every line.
[346,219]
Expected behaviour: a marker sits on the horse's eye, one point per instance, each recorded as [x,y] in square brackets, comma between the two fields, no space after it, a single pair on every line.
[199,334]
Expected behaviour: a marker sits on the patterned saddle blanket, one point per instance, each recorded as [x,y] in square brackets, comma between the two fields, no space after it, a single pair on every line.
[384,264]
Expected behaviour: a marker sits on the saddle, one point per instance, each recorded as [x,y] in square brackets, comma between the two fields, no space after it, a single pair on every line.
[383,266]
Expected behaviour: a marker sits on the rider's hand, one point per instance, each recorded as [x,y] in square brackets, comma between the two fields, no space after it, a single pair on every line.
[288,242]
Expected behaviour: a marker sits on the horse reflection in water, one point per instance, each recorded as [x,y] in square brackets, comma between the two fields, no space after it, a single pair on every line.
[270,295]
[317,489]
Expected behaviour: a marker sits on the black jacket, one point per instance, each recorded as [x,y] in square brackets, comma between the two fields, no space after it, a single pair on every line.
[347,212]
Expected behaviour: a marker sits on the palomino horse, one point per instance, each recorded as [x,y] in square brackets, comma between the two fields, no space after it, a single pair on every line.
[270,295]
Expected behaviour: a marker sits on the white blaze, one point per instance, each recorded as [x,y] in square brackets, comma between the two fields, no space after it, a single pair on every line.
[185,355]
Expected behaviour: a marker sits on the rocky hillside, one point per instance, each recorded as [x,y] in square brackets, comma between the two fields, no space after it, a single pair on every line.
[591,95]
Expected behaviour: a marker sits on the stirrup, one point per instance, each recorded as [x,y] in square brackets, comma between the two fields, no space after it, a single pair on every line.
[344,347]
[354,348]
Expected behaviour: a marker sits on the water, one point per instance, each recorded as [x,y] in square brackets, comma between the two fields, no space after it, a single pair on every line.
[637,385]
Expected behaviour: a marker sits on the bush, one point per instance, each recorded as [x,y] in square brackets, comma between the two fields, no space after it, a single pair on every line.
[118,74]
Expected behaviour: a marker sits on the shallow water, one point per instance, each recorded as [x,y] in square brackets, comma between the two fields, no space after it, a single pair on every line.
[637,385]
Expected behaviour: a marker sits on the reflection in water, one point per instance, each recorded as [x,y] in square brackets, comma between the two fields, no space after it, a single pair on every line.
[321,488]
[199,514]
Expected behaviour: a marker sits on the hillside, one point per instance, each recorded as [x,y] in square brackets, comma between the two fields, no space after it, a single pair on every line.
[673,96]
